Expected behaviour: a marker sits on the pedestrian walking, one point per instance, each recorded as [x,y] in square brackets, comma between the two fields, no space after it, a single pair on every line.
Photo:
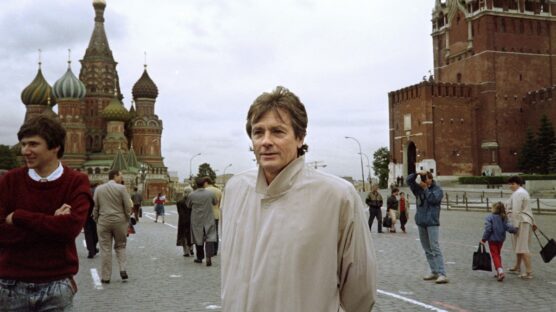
[392,208]
[43,207]
[428,197]
[159,202]
[287,226]
[215,209]
[374,201]
[184,224]
[137,199]
[90,230]
[112,213]
[203,228]
[521,216]
[496,226]
[404,211]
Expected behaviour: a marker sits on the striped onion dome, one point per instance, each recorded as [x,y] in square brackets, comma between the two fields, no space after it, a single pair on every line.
[145,87]
[69,87]
[115,111]
[38,91]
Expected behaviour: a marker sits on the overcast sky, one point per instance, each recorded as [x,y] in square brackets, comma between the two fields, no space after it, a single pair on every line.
[211,58]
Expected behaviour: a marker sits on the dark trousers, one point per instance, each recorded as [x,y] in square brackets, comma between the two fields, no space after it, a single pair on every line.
[403,220]
[375,213]
[208,247]
[217,238]
[91,236]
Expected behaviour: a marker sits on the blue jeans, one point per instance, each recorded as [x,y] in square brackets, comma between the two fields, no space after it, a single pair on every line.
[16,296]
[429,241]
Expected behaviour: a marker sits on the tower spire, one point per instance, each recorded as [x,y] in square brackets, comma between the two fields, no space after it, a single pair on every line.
[40,60]
[145,64]
[69,58]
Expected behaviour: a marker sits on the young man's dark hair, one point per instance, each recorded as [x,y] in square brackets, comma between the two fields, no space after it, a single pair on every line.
[47,128]
[516,179]
[200,182]
[113,173]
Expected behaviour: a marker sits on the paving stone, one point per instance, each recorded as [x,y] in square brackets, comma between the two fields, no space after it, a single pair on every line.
[161,279]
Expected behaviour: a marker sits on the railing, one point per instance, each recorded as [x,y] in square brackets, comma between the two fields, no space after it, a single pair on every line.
[483,200]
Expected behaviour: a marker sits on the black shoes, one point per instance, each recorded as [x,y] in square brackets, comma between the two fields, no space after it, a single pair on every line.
[209,262]
[105,281]
[198,261]
[123,275]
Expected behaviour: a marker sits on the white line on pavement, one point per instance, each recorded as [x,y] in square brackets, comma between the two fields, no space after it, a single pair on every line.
[85,244]
[415,302]
[150,216]
[96,279]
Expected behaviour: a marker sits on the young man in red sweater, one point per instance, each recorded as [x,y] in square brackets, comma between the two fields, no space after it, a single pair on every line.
[43,207]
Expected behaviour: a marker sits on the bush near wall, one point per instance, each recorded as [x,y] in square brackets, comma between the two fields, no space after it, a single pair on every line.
[483,180]
[503,179]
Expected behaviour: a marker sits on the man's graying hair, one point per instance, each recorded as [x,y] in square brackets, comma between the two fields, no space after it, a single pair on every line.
[280,100]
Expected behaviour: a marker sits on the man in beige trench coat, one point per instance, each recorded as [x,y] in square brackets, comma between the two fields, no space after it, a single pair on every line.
[293,238]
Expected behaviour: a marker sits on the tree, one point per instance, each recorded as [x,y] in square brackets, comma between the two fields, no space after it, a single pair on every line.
[552,161]
[545,144]
[527,160]
[380,166]
[8,159]
[206,171]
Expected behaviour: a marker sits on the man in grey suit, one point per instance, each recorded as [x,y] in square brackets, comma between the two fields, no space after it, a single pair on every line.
[111,213]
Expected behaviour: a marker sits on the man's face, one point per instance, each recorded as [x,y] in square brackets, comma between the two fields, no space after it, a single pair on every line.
[119,178]
[514,186]
[274,142]
[37,155]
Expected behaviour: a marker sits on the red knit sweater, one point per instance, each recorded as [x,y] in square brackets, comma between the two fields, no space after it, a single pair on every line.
[40,247]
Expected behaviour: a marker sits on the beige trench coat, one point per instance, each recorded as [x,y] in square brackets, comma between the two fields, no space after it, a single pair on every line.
[300,244]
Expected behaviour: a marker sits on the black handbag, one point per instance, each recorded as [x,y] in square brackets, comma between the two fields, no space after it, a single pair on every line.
[548,251]
[387,221]
[481,259]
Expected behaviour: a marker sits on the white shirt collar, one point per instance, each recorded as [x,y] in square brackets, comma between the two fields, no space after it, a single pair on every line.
[56,174]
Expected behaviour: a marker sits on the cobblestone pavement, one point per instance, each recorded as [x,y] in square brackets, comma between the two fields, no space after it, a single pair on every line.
[161,279]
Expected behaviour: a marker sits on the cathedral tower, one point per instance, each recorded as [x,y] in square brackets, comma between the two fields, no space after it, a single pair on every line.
[98,72]
[69,92]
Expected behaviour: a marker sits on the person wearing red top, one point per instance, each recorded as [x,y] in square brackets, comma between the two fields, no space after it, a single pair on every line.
[43,208]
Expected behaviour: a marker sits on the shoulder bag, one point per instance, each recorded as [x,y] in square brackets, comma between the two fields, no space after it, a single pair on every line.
[548,251]
[481,259]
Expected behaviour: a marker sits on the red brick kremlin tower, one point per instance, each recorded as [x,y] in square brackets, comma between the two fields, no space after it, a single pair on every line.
[494,72]
[101,133]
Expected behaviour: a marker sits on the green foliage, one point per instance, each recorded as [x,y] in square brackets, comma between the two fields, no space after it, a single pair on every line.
[528,158]
[206,171]
[483,180]
[8,158]
[545,144]
[380,166]
[529,177]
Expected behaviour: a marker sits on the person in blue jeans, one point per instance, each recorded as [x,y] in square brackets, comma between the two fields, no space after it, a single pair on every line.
[428,197]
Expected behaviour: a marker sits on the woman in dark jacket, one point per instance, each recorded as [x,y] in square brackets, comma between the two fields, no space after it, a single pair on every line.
[184,224]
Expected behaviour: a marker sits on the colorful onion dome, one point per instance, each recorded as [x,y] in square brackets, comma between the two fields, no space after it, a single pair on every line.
[69,87]
[38,91]
[145,87]
[115,111]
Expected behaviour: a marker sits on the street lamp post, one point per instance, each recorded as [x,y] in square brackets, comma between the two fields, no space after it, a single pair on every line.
[190,171]
[368,167]
[360,158]
[224,173]
[143,171]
